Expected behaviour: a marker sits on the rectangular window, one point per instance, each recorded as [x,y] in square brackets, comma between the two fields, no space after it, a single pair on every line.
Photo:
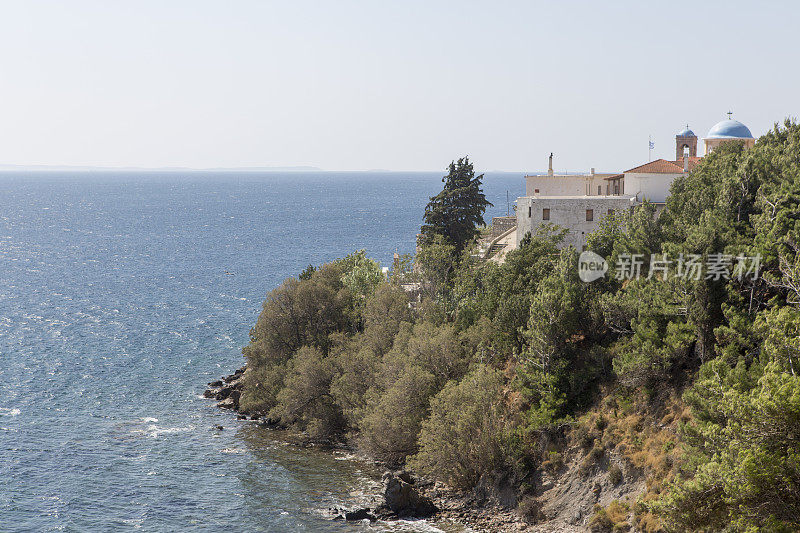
[546,213]
[589,215]
[610,212]
[599,190]
[530,210]
[616,189]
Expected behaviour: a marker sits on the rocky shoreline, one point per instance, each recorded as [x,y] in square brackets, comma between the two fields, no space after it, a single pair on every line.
[404,495]
[227,391]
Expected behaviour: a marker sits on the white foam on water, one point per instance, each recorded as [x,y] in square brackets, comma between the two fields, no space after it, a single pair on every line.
[232,450]
[342,456]
[135,522]
[153,431]
[420,526]
[157,431]
[8,411]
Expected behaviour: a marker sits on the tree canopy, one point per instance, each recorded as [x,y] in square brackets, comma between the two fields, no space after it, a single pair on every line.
[457,211]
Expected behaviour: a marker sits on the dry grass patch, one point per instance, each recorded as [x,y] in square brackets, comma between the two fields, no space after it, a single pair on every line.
[642,431]
[613,518]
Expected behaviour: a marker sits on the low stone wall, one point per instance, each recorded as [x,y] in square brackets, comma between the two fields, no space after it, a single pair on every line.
[501,225]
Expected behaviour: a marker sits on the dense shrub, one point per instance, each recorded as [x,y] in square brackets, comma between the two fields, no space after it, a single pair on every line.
[262,384]
[357,367]
[615,474]
[438,350]
[300,313]
[305,399]
[746,435]
[393,416]
[610,519]
[462,439]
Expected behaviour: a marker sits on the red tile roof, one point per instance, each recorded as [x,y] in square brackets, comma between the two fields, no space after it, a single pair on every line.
[692,162]
[662,166]
[659,166]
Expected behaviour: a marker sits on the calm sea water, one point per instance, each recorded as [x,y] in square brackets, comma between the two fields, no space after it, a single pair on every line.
[123,294]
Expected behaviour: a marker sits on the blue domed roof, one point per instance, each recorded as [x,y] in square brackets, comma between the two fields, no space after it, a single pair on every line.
[686,133]
[729,129]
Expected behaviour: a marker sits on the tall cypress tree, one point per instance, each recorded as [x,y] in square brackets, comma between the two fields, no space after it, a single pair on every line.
[456,212]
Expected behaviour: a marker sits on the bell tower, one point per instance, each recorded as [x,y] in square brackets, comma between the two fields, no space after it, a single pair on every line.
[685,139]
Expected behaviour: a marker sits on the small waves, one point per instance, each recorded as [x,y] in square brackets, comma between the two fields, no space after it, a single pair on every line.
[153,431]
[420,526]
[233,450]
[147,427]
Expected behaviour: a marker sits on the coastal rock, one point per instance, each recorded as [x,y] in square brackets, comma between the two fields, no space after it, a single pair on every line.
[406,476]
[227,403]
[402,499]
[360,514]
[235,395]
[233,377]
[227,391]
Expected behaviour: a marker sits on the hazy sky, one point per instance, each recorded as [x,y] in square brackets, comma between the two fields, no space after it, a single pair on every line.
[400,85]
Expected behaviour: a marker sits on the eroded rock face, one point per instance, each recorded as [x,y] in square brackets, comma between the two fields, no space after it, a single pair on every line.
[403,499]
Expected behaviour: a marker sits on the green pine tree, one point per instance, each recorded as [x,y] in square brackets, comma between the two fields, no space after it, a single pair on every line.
[457,211]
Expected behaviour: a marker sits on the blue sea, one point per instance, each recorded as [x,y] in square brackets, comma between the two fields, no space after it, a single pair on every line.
[123,293]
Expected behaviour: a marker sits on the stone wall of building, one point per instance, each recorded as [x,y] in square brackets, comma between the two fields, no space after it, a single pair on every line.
[501,225]
[569,212]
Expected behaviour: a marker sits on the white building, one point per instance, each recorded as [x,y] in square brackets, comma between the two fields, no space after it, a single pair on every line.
[551,184]
[652,180]
[580,215]
[578,202]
